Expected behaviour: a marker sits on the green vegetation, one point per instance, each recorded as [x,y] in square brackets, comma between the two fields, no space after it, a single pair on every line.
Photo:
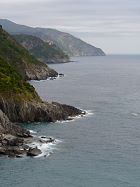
[12,56]
[40,49]
[12,83]
[16,55]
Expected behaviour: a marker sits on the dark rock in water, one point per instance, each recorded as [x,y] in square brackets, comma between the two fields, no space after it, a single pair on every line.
[43,136]
[61,74]
[33,152]
[18,156]
[52,78]
[70,119]
[49,140]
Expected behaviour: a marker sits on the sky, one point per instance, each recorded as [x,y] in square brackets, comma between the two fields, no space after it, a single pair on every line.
[113,25]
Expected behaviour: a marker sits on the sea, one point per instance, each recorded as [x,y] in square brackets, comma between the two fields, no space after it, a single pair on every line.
[101,149]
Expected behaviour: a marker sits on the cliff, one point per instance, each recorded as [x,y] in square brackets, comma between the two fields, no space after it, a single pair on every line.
[71,45]
[19,101]
[43,51]
[16,55]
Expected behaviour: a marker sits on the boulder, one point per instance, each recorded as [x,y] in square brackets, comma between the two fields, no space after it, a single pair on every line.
[34,152]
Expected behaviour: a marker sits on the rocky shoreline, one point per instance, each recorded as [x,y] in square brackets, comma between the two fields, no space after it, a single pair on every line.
[19,102]
[14,140]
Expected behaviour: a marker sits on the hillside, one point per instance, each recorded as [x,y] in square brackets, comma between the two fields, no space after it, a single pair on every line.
[43,51]
[19,101]
[71,45]
[11,83]
[21,60]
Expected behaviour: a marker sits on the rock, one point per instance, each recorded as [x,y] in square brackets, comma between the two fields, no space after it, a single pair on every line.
[25,147]
[12,140]
[61,75]
[2,151]
[52,78]
[34,111]
[6,127]
[19,156]
[33,152]
[43,136]
[49,140]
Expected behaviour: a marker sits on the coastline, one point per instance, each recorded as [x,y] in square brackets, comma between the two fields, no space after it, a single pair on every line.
[18,145]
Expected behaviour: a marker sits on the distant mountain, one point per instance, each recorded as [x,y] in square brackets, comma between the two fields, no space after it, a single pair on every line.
[43,51]
[71,45]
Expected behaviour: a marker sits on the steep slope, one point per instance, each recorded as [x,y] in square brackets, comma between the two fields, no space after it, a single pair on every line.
[71,45]
[23,62]
[19,101]
[12,84]
[43,51]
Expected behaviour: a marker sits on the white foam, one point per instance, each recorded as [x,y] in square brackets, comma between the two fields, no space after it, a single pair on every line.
[32,131]
[46,148]
[89,113]
[72,119]
[134,114]
[55,78]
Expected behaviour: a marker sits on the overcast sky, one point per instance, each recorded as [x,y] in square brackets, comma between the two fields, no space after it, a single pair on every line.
[113,25]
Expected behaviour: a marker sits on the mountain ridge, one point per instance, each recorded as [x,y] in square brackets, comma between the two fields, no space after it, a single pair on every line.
[71,45]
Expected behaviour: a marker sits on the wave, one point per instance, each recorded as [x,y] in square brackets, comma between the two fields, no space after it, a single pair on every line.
[134,114]
[88,113]
[46,148]
[61,75]
[32,132]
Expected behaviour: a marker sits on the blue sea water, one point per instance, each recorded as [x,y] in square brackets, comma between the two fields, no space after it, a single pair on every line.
[100,150]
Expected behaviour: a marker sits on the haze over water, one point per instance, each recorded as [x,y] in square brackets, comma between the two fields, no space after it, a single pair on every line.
[100,150]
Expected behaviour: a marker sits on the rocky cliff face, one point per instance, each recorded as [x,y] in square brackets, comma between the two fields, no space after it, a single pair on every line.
[12,138]
[36,111]
[7,127]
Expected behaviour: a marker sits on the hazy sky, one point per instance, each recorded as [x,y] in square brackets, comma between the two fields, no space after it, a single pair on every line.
[113,25]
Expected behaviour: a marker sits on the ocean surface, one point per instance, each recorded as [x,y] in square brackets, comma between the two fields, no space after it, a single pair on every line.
[99,150]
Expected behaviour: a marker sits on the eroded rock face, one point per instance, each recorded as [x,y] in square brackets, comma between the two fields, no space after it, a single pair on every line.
[6,127]
[12,137]
[36,111]
[38,72]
